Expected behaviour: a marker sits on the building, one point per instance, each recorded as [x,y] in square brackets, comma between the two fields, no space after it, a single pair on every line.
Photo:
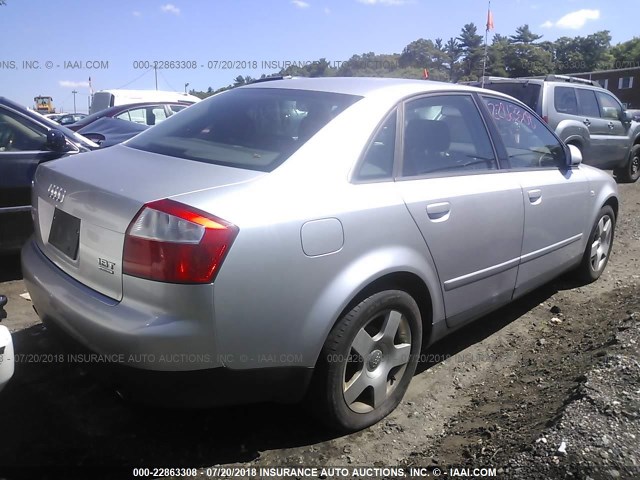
[624,83]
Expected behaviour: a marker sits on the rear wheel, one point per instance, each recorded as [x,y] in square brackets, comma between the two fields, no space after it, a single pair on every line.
[368,361]
[631,171]
[598,250]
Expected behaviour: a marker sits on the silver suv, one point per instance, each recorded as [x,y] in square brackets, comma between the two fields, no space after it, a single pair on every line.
[582,114]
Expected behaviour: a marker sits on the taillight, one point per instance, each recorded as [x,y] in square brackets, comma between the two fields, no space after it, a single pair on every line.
[172,242]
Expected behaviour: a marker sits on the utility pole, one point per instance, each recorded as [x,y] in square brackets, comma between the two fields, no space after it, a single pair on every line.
[74,100]
[185,87]
[155,69]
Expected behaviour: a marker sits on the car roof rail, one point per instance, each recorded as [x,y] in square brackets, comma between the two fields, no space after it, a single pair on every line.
[568,78]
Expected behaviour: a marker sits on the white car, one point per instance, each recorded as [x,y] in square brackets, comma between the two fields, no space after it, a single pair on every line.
[6,351]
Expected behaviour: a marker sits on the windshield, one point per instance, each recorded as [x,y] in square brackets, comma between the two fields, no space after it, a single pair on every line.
[527,93]
[252,128]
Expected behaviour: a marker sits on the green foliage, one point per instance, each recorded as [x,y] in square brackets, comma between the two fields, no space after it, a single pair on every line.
[524,35]
[626,54]
[461,58]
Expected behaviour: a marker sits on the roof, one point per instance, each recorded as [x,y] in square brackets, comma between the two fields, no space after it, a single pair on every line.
[361,86]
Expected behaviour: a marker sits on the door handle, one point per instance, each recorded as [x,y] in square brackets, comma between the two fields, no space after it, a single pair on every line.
[535,196]
[439,211]
[587,122]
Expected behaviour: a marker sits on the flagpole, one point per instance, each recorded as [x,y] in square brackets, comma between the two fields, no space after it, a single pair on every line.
[486,45]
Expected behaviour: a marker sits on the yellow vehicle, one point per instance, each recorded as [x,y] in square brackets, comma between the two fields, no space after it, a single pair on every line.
[44,104]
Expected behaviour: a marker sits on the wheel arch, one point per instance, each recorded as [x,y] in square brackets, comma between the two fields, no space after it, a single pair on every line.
[413,276]
[400,280]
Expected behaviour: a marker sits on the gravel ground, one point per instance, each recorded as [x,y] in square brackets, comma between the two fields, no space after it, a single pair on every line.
[548,387]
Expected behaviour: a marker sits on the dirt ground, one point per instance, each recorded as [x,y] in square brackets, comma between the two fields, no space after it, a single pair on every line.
[548,387]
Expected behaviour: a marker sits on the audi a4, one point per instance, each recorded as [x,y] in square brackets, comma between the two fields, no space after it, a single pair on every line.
[308,238]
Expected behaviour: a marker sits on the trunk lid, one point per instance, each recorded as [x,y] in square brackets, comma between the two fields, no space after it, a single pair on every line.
[85,203]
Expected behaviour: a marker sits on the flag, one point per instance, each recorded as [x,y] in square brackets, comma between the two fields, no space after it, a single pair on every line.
[489,20]
[425,74]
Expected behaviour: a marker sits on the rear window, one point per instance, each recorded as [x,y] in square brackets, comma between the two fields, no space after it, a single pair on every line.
[253,128]
[527,93]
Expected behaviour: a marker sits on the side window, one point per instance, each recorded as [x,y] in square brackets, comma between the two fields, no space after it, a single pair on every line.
[177,108]
[445,133]
[378,159]
[609,106]
[528,141]
[564,100]
[18,135]
[588,103]
[156,115]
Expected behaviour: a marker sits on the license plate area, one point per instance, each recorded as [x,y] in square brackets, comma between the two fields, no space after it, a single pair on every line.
[65,233]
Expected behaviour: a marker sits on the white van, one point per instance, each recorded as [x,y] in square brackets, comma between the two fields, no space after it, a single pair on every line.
[110,98]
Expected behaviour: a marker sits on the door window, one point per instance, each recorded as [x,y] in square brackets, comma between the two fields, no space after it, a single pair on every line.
[588,103]
[528,142]
[144,116]
[445,134]
[610,108]
[565,101]
[378,159]
[18,135]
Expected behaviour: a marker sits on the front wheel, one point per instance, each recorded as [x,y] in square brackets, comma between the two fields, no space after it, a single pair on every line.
[631,171]
[368,361]
[598,250]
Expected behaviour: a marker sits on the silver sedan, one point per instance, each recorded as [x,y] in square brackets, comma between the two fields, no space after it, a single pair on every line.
[308,236]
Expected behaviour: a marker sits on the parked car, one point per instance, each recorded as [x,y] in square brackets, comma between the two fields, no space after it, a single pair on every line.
[7,360]
[109,131]
[69,118]
[110,98]
[51,116]
[148,114]
[635,114]
[26,140]
[582,114]
[309,236]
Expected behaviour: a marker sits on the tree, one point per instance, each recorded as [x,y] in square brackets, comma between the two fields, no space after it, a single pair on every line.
[471,44]
[496,54]
[452,54]
[524,35]
[596,51]
[626,54]
[526,60]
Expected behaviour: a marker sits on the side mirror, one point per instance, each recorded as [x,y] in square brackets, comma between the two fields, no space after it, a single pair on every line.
[627,117]
[56,141]
[575,156]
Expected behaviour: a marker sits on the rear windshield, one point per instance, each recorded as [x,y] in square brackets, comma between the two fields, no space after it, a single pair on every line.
[527,93]
[252,128]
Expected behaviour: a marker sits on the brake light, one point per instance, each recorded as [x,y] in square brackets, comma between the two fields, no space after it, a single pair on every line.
[172,242]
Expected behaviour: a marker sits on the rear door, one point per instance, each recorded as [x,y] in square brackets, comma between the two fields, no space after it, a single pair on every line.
[469,213]
[22,148]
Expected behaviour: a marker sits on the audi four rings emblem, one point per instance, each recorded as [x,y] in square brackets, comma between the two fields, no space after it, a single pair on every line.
[56,193]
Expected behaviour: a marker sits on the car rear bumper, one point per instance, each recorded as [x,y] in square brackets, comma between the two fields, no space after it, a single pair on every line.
[171,361]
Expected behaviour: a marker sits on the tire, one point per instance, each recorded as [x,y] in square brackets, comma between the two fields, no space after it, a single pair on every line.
[631,171]
[598,249]
[368,361]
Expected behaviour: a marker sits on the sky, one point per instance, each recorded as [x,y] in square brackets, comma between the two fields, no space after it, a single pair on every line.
[53,48]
